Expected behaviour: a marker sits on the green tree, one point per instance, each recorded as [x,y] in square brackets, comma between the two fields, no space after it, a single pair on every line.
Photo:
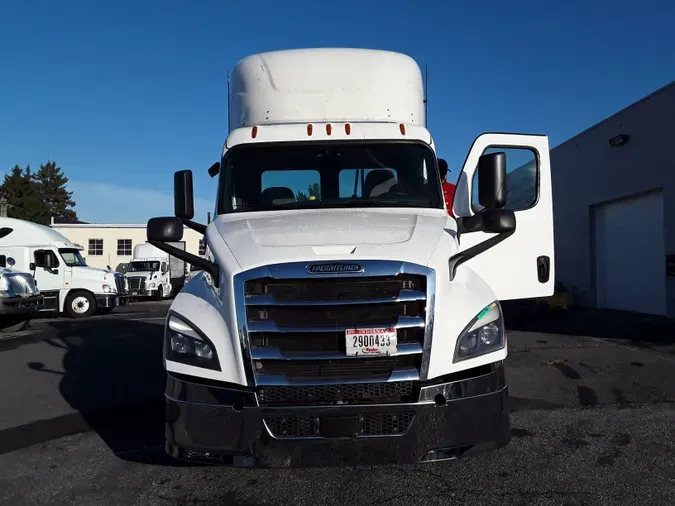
[313,190]
[22,194]
[56,199]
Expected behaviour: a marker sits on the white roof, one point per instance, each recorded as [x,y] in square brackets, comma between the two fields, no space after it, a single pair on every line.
[27,233]
[326,85]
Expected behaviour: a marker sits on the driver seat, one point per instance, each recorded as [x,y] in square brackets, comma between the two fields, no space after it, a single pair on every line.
[378,182]
[277,195]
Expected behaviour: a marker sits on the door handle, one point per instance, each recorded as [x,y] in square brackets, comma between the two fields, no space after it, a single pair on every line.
[543,268]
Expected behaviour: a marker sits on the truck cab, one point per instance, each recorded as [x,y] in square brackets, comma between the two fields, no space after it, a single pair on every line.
[66,282]
[154,273]
[342,315]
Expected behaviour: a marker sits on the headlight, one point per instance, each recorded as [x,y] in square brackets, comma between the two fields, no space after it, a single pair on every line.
[484,334]
[151,285]
[107,289]
[187,345]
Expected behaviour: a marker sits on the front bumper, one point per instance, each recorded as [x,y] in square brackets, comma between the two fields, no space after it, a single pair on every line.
[21,305]
[107,300]
[144,293]
[215,424]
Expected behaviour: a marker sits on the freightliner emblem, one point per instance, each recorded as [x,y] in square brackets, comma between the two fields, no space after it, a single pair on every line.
[334,268]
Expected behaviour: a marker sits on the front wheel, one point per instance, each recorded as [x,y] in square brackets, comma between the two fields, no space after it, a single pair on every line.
[160,293]
[80,304]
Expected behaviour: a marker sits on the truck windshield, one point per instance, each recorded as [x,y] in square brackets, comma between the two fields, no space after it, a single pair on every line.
[330,175]
[72,257]
[143,266]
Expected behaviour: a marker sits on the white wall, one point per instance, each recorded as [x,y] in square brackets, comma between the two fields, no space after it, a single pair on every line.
[587,171]
[81,233]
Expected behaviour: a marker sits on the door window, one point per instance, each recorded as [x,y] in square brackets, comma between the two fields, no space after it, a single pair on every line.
[46,258]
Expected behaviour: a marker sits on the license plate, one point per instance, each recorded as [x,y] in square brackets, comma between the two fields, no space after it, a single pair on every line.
[134,293]
[371,342]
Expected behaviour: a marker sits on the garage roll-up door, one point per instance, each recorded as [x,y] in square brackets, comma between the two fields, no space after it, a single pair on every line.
[630,254]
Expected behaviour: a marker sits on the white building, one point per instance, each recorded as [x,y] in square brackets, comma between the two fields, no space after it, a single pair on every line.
[112,245]
[614,208]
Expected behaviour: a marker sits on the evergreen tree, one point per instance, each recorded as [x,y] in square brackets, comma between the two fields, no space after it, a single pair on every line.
[56,199]
[313,190]
[22,194]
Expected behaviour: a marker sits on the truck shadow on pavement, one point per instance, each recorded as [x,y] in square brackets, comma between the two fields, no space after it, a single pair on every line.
[113,376]
[636,329]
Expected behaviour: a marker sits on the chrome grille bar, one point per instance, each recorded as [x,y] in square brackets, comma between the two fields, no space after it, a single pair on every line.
[276,354]
[404,322]
[268,300]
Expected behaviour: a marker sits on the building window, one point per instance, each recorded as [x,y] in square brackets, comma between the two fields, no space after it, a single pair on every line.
[95,247]
[202,247]
[123,247]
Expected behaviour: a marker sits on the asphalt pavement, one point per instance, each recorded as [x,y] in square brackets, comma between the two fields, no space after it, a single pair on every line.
[592,401]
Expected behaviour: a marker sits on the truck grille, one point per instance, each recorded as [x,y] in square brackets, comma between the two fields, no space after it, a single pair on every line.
[21,283]
[121,283]
[293,324]
[370,424]
[327,395]
[137,284]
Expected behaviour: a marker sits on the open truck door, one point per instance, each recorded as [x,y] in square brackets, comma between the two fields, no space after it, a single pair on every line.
[520,265]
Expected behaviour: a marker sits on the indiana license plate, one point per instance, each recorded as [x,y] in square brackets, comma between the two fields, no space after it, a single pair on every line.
[371,342]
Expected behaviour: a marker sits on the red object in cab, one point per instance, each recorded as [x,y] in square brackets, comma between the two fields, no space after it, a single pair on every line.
[449,195]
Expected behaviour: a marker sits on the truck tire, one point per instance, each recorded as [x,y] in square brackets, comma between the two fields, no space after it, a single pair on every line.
[160,293]
[80,304]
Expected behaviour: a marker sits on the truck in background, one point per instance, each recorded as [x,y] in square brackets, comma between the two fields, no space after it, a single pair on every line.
[154,273]
[65,281]
[361,326]
[20,298]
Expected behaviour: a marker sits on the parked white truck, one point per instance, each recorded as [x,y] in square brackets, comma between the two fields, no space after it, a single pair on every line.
[66,282]
[363,324]
[20,298]
[154,273]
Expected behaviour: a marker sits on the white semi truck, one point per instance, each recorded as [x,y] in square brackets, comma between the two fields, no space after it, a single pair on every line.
[361,325]
[154,273]
[65,281]
[20,298]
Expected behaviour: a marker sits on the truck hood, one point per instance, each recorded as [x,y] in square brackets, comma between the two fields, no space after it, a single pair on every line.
[92,273]
[139,274]
[332,234]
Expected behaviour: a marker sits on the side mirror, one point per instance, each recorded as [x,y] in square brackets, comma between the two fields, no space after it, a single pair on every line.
[498,221]
[165,229]
[161,231]
[492,180]
[214,169]
[183,196]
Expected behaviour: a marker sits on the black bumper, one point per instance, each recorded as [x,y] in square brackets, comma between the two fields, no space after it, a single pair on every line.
[21,305]
[212,424]
[107,300]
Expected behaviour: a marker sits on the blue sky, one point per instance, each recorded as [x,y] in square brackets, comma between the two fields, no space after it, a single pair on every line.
[121,94]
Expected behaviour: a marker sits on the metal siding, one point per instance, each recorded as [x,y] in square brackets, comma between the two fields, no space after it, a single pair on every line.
[586,171]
